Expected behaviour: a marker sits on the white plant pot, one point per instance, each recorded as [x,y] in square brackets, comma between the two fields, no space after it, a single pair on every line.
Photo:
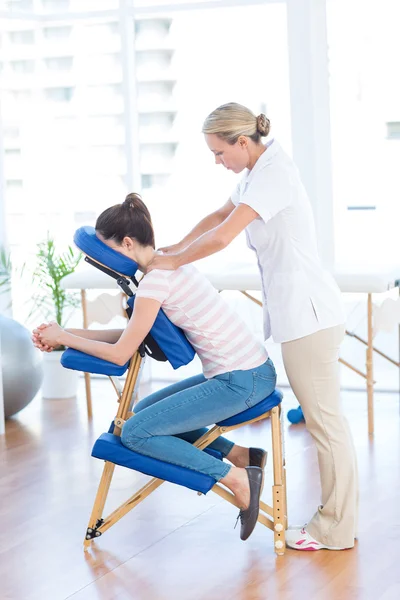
[58,382]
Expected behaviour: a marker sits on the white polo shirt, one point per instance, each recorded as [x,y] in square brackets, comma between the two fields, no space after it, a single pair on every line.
[299,296]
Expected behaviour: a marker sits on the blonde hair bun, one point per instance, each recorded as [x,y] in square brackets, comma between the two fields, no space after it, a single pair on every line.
[232,120]
[263,125]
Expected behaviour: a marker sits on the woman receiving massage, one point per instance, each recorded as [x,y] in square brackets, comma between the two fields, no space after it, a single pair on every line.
[237,373]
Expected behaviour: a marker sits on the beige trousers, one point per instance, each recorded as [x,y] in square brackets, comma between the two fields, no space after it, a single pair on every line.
[312,367]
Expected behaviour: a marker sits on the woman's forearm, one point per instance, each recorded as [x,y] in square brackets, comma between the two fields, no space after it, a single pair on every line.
[223,231]
[206,244]
[105,350]
[101,335]
[209,222]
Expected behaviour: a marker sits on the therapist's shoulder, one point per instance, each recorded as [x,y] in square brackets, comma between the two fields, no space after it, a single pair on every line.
[279,168]
[274,175]
[277,158]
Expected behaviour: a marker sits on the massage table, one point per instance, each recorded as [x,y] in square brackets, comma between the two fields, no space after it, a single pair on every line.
[244,277]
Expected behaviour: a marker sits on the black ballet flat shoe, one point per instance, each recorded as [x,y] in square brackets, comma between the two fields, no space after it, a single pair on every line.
[258,457]
[248,517]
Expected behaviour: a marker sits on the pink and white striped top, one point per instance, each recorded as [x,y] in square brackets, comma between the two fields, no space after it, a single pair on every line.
[217,333]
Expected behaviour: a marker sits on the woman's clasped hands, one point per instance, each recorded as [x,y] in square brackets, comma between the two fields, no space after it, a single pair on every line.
[46,336]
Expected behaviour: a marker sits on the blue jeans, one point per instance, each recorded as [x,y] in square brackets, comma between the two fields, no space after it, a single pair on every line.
[166,423]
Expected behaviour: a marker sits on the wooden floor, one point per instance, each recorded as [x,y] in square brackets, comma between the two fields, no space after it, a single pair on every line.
[177,545]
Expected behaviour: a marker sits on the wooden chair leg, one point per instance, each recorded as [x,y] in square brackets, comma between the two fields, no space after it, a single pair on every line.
[100,500]
[105,482]
[88,396]
[281,418]
[278,489]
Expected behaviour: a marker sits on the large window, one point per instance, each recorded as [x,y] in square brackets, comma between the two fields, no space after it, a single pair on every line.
[365,108]
[71,110]
[65,94]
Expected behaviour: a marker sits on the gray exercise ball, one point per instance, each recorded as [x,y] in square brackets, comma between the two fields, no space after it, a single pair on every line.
[21,366]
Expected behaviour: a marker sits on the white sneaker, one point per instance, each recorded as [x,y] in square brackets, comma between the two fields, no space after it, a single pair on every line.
[300,539]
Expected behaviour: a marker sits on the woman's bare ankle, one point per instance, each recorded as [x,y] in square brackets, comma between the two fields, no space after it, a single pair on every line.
[238,482]
[239,456]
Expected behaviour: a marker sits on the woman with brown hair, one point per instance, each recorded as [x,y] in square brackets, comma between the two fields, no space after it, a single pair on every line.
[237,373]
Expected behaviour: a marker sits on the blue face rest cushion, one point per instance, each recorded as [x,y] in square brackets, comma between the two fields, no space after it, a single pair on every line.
[86,240]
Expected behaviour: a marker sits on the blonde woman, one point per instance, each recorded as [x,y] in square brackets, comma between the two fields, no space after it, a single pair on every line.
[302,306]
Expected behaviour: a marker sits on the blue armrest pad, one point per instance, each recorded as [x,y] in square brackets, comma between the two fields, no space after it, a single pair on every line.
[86,240]
[109,447]
[171,339]
[79,361]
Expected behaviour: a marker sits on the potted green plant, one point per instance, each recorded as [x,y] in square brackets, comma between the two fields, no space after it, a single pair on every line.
[53,302]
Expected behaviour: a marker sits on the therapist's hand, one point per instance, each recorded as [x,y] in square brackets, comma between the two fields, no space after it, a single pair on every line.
[174,249]
[164,262]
